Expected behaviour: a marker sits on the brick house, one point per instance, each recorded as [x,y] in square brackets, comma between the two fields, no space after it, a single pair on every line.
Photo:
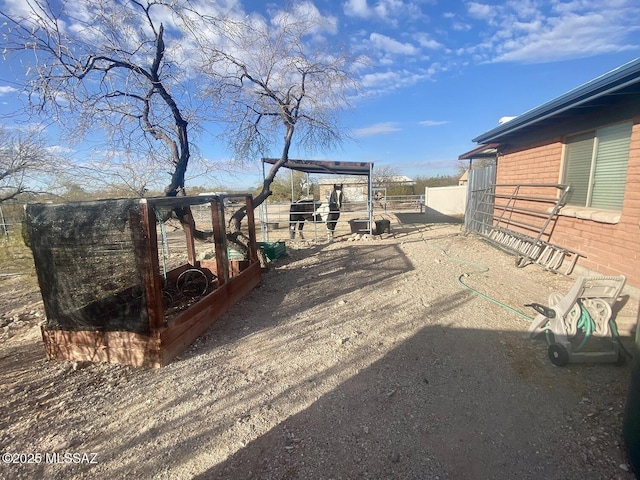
[588,138]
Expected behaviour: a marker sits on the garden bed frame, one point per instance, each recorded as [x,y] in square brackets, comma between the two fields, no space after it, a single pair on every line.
[166,337]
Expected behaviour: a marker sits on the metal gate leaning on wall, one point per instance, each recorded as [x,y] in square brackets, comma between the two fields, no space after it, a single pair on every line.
[518,218]
[479,180]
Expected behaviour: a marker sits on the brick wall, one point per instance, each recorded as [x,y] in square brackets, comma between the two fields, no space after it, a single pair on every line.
[609,249]
[539,163]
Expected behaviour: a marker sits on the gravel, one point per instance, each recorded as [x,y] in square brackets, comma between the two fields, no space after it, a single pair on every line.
[356,359]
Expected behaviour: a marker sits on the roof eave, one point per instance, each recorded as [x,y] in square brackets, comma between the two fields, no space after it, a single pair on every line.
[483,151]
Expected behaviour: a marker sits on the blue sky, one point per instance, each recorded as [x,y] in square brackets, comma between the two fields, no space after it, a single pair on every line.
[442,72]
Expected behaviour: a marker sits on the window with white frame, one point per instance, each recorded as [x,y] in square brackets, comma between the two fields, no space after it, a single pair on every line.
[596,166]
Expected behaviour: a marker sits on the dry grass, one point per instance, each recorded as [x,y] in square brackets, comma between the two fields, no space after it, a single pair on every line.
[16,258]
[17,271]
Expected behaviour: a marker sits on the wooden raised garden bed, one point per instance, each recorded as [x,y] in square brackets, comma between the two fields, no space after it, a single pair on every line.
[117,289]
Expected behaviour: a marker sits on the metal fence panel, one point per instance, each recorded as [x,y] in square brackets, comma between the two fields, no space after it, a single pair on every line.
[480,179]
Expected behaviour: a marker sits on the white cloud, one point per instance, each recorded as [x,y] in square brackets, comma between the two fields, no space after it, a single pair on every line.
[426,41]
[374,80]
[457,24]
[18,8]
[357,8]
[59,150]
[384,82]
[433,123]
[306,12]
[529,32]
[480,11]
[6,89]
[388,11]
[461,27]
[574,37]
[376,129]
[390,45]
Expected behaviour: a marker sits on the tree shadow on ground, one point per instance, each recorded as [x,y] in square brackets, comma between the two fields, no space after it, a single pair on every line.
[447,403]
[331,274]
[408,223]
[427,218]
[288,384]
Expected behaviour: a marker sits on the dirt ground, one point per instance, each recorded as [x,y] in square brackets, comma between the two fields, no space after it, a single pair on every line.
[355,359]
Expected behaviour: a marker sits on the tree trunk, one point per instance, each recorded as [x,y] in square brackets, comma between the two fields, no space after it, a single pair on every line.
[176,187]
[234,233]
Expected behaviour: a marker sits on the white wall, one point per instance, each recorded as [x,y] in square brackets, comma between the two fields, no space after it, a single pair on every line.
[446,200]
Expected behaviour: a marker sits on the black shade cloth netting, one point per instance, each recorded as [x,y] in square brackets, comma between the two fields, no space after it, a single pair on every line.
[85,257]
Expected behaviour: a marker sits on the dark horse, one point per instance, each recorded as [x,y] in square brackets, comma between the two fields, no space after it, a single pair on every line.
[326,212]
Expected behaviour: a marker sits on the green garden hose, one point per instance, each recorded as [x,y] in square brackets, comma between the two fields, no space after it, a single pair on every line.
[586,323]
[481,269]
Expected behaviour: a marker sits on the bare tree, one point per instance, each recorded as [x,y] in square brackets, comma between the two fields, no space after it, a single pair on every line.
[384,175]
[120,175]
[297,186]
[105,65]
[284,88]
[131,69]
[24,160]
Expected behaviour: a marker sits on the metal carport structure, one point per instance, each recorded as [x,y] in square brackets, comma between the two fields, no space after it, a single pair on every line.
[332,167]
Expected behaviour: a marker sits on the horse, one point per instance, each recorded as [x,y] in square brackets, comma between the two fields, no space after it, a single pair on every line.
[301,211]
[326,212]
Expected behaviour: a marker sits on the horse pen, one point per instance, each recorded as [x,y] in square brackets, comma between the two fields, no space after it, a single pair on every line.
[360,357]
[276,225]
[323,212]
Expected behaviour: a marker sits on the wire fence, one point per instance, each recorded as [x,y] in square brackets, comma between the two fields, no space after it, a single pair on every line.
[11,219]
[273,222]
[272,218]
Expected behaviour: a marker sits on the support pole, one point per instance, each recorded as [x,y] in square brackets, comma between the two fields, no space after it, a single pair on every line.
[253,247]
[143,226]
[220,240]
[370,198]
[189,230]
[264,212]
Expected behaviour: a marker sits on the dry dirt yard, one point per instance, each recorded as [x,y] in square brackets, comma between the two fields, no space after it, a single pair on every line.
[356,359]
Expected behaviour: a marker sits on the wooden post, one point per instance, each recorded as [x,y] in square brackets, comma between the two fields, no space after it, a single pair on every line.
[189,227]
[251,223]
[220,241]
[148,250]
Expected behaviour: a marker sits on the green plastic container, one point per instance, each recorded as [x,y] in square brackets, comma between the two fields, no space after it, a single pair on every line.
[272,250]
[234,254]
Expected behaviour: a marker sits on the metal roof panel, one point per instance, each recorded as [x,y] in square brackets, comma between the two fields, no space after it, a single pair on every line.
[325,166]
